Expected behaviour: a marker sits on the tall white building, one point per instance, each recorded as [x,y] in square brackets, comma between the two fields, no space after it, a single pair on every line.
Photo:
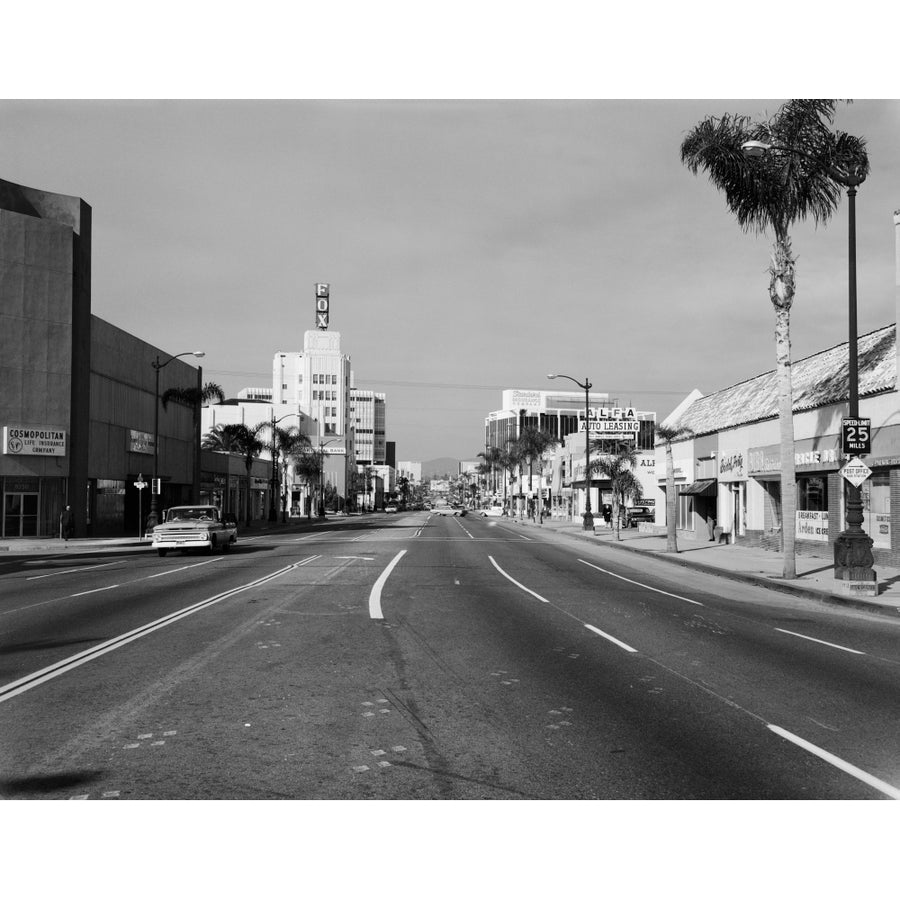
[367,419]
[316,379]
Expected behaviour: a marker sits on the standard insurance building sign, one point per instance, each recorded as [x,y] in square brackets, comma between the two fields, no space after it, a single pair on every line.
[40,441]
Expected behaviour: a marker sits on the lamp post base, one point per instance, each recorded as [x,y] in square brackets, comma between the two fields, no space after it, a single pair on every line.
[588,522]
[853,560]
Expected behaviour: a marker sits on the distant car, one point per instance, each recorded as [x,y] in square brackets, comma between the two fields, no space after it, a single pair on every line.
[496,510]
[450,511]
[391,508]
[631,517]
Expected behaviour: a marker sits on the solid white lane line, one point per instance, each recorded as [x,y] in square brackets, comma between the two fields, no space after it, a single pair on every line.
[887,789]
[639,584]
[609,637]
[516,583]
[375,595]
[70,571]
[466,530]
[806,637]
[21,685]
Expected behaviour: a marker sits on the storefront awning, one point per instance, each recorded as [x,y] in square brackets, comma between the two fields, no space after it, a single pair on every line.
[704,488]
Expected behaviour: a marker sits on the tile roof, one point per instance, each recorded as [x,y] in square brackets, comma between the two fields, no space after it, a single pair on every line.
[818,380]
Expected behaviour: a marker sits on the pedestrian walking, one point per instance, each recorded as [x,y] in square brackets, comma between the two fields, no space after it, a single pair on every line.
[66,523]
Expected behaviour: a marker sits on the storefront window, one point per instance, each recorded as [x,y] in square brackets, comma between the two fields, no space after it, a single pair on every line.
[876,495]
[812,494]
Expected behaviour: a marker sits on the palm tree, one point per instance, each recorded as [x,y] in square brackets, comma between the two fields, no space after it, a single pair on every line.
[771,193]
[619,469]
[193,396]
[249,445]
[223,439]
[667,434]
[531,444]
[308,462]
[491,457]
[508,462]
[285,443]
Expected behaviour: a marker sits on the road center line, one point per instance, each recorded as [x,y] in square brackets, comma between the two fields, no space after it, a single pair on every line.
[21,685]
[806,637]
[609,637]
[516,583]
[873,782]
[375,595]
[639,584]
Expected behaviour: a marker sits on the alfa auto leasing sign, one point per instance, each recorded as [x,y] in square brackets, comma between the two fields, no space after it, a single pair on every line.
[41,441]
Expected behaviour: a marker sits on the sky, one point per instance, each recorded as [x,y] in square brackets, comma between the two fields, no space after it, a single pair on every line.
[471,244]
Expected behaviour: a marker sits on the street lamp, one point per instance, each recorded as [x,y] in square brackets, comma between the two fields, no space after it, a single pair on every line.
[853,559]
[153,518]
[588,522]
[273,512]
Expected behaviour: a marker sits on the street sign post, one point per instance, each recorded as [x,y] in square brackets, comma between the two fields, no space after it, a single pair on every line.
[856,436]
[856,472]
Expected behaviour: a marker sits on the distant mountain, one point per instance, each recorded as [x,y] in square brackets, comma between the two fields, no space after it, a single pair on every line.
[438,468]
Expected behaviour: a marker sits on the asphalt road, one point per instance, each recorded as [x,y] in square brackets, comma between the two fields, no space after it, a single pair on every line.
[421,657]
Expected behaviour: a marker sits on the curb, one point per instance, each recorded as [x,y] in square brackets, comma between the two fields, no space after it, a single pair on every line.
[756,580]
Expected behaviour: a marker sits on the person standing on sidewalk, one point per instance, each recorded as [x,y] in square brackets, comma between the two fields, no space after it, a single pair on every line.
[66,523]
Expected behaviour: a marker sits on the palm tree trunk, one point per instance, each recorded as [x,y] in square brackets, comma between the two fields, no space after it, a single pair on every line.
[781,291]
[671,503]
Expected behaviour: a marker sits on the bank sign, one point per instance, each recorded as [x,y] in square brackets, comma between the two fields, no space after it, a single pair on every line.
[42,441]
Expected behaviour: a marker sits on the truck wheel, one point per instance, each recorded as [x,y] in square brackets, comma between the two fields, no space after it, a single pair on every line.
[162,552]
[213,544]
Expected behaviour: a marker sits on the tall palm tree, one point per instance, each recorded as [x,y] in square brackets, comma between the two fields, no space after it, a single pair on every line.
[307,462]
[619,469]
[531,444]
[667,434]
[789,184]
[249,445]
[285,442]
[508,462]
[491,457]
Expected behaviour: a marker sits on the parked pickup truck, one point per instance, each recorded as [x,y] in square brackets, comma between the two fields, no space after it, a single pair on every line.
[195,528]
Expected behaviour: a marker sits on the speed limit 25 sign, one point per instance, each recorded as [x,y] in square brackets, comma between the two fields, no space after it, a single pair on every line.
[856,436]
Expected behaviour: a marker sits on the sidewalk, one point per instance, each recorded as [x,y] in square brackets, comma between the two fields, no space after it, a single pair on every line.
[815,578]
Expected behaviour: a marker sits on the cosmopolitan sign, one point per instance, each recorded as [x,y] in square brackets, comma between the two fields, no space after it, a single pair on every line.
[41,441]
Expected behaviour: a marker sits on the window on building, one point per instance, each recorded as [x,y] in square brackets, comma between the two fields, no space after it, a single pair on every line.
[812,494]
[876,496]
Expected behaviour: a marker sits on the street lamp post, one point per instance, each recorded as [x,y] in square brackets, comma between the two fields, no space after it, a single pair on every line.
[588,519]
[153,518]
[853,558]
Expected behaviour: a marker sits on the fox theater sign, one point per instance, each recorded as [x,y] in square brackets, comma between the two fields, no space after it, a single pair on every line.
[18,441]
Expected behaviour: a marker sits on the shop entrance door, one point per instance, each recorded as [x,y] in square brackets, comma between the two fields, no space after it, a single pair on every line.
[20,514]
